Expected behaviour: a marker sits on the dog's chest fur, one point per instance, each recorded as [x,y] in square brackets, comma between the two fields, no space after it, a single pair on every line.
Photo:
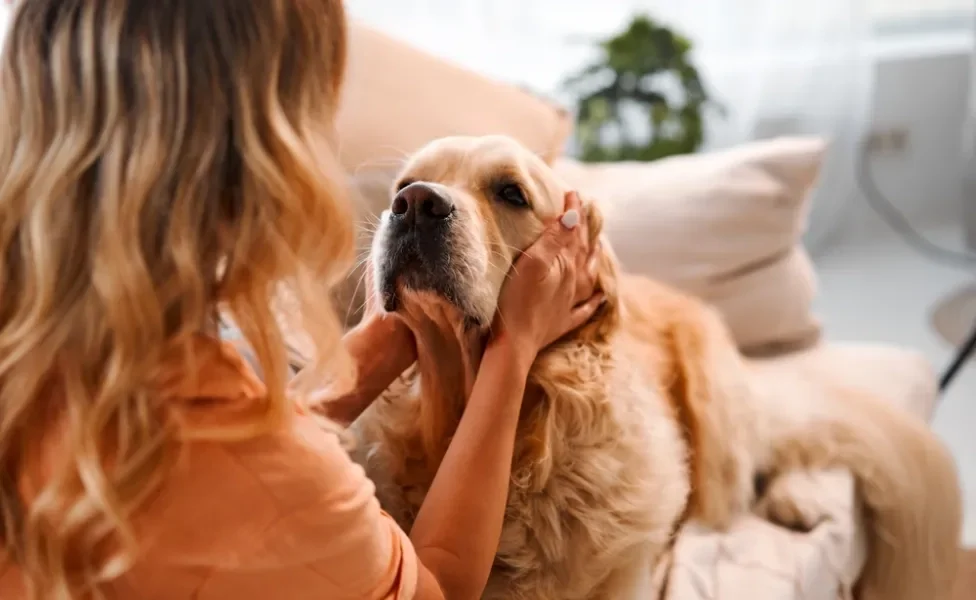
[599,480]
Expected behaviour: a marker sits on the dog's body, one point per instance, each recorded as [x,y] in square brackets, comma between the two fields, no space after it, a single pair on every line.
[641,419]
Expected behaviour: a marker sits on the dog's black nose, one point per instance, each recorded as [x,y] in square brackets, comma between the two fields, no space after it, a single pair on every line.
[421,204]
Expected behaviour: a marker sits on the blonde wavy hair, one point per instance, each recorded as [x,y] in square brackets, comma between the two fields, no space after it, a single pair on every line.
[160,162]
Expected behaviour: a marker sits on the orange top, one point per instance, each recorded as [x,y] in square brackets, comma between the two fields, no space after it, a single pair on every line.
[286,516]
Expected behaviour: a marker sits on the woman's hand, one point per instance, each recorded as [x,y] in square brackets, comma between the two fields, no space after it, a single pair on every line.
[382,333]
[382,346]
[386,334]
[550,290]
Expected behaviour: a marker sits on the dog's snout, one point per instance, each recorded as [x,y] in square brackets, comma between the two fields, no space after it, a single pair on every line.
[421,204]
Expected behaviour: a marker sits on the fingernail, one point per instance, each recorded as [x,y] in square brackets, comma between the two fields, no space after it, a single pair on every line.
[592,265]
[570,218]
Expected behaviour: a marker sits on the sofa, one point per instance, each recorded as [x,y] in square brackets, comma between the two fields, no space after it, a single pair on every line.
[726,226]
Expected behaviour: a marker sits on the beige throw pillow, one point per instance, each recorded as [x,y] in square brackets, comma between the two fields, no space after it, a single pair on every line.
[724,226]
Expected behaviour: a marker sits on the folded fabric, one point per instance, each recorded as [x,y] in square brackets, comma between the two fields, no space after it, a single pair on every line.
[758,560]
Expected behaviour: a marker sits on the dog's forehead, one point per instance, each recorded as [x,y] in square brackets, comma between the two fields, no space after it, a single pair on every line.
[463,158]
[473,161]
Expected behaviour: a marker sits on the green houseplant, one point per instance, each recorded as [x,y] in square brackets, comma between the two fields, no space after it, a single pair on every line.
[643,99]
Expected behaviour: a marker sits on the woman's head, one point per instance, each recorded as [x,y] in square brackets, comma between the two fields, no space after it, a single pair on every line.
[158,160]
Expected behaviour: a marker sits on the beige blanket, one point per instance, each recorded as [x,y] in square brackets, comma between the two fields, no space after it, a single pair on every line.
[761,561]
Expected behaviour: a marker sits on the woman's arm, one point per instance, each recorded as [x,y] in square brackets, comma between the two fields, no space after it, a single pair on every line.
[381,347]
[456,533]
[457,530]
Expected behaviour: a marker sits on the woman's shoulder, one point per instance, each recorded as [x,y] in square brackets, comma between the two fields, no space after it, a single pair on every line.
[237,489]
[221,500]
[290,506]
[273,515]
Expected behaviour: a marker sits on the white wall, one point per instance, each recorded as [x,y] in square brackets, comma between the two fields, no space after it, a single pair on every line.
[925,92]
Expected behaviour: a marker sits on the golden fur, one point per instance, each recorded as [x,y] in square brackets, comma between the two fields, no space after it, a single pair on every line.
[643,418]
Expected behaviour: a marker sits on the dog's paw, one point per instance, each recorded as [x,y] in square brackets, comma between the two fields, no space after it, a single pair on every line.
[792,500]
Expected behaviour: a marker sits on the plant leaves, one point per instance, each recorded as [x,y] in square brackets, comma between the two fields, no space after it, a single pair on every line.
[643,49]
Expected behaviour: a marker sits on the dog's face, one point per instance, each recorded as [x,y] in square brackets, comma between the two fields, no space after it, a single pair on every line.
[463,210]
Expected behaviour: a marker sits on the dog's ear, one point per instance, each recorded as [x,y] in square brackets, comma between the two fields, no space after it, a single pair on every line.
[607,263]
[607,271]
[594,218]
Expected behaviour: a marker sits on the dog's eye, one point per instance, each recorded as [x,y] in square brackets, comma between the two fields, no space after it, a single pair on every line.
[512,194]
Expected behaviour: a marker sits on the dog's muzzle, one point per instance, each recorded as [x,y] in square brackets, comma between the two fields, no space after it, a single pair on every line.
[417,244]
[420,207]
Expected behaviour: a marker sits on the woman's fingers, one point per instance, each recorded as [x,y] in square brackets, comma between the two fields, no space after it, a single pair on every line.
[585,311]
[586,280]
[583,258]
[562,235]
[571,200]
[573,221]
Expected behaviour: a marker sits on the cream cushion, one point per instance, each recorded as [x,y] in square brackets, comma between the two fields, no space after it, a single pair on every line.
[903,376]
[724,226]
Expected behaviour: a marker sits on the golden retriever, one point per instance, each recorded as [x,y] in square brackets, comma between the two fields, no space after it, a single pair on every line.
[641,419]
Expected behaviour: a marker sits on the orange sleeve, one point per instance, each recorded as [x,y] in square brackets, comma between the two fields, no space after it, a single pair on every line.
[288,517]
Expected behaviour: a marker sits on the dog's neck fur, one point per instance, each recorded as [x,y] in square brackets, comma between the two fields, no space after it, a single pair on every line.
[449,354]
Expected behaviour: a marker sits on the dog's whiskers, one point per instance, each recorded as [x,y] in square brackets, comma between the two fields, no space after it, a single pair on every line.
[378,163]
[352,300]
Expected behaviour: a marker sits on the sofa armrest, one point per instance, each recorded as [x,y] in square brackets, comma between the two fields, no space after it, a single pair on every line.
[899,375]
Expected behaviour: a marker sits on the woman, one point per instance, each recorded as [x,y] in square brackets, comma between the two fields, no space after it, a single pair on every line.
[168,160]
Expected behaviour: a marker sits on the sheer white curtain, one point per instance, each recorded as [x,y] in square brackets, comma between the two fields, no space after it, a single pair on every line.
[778,67]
